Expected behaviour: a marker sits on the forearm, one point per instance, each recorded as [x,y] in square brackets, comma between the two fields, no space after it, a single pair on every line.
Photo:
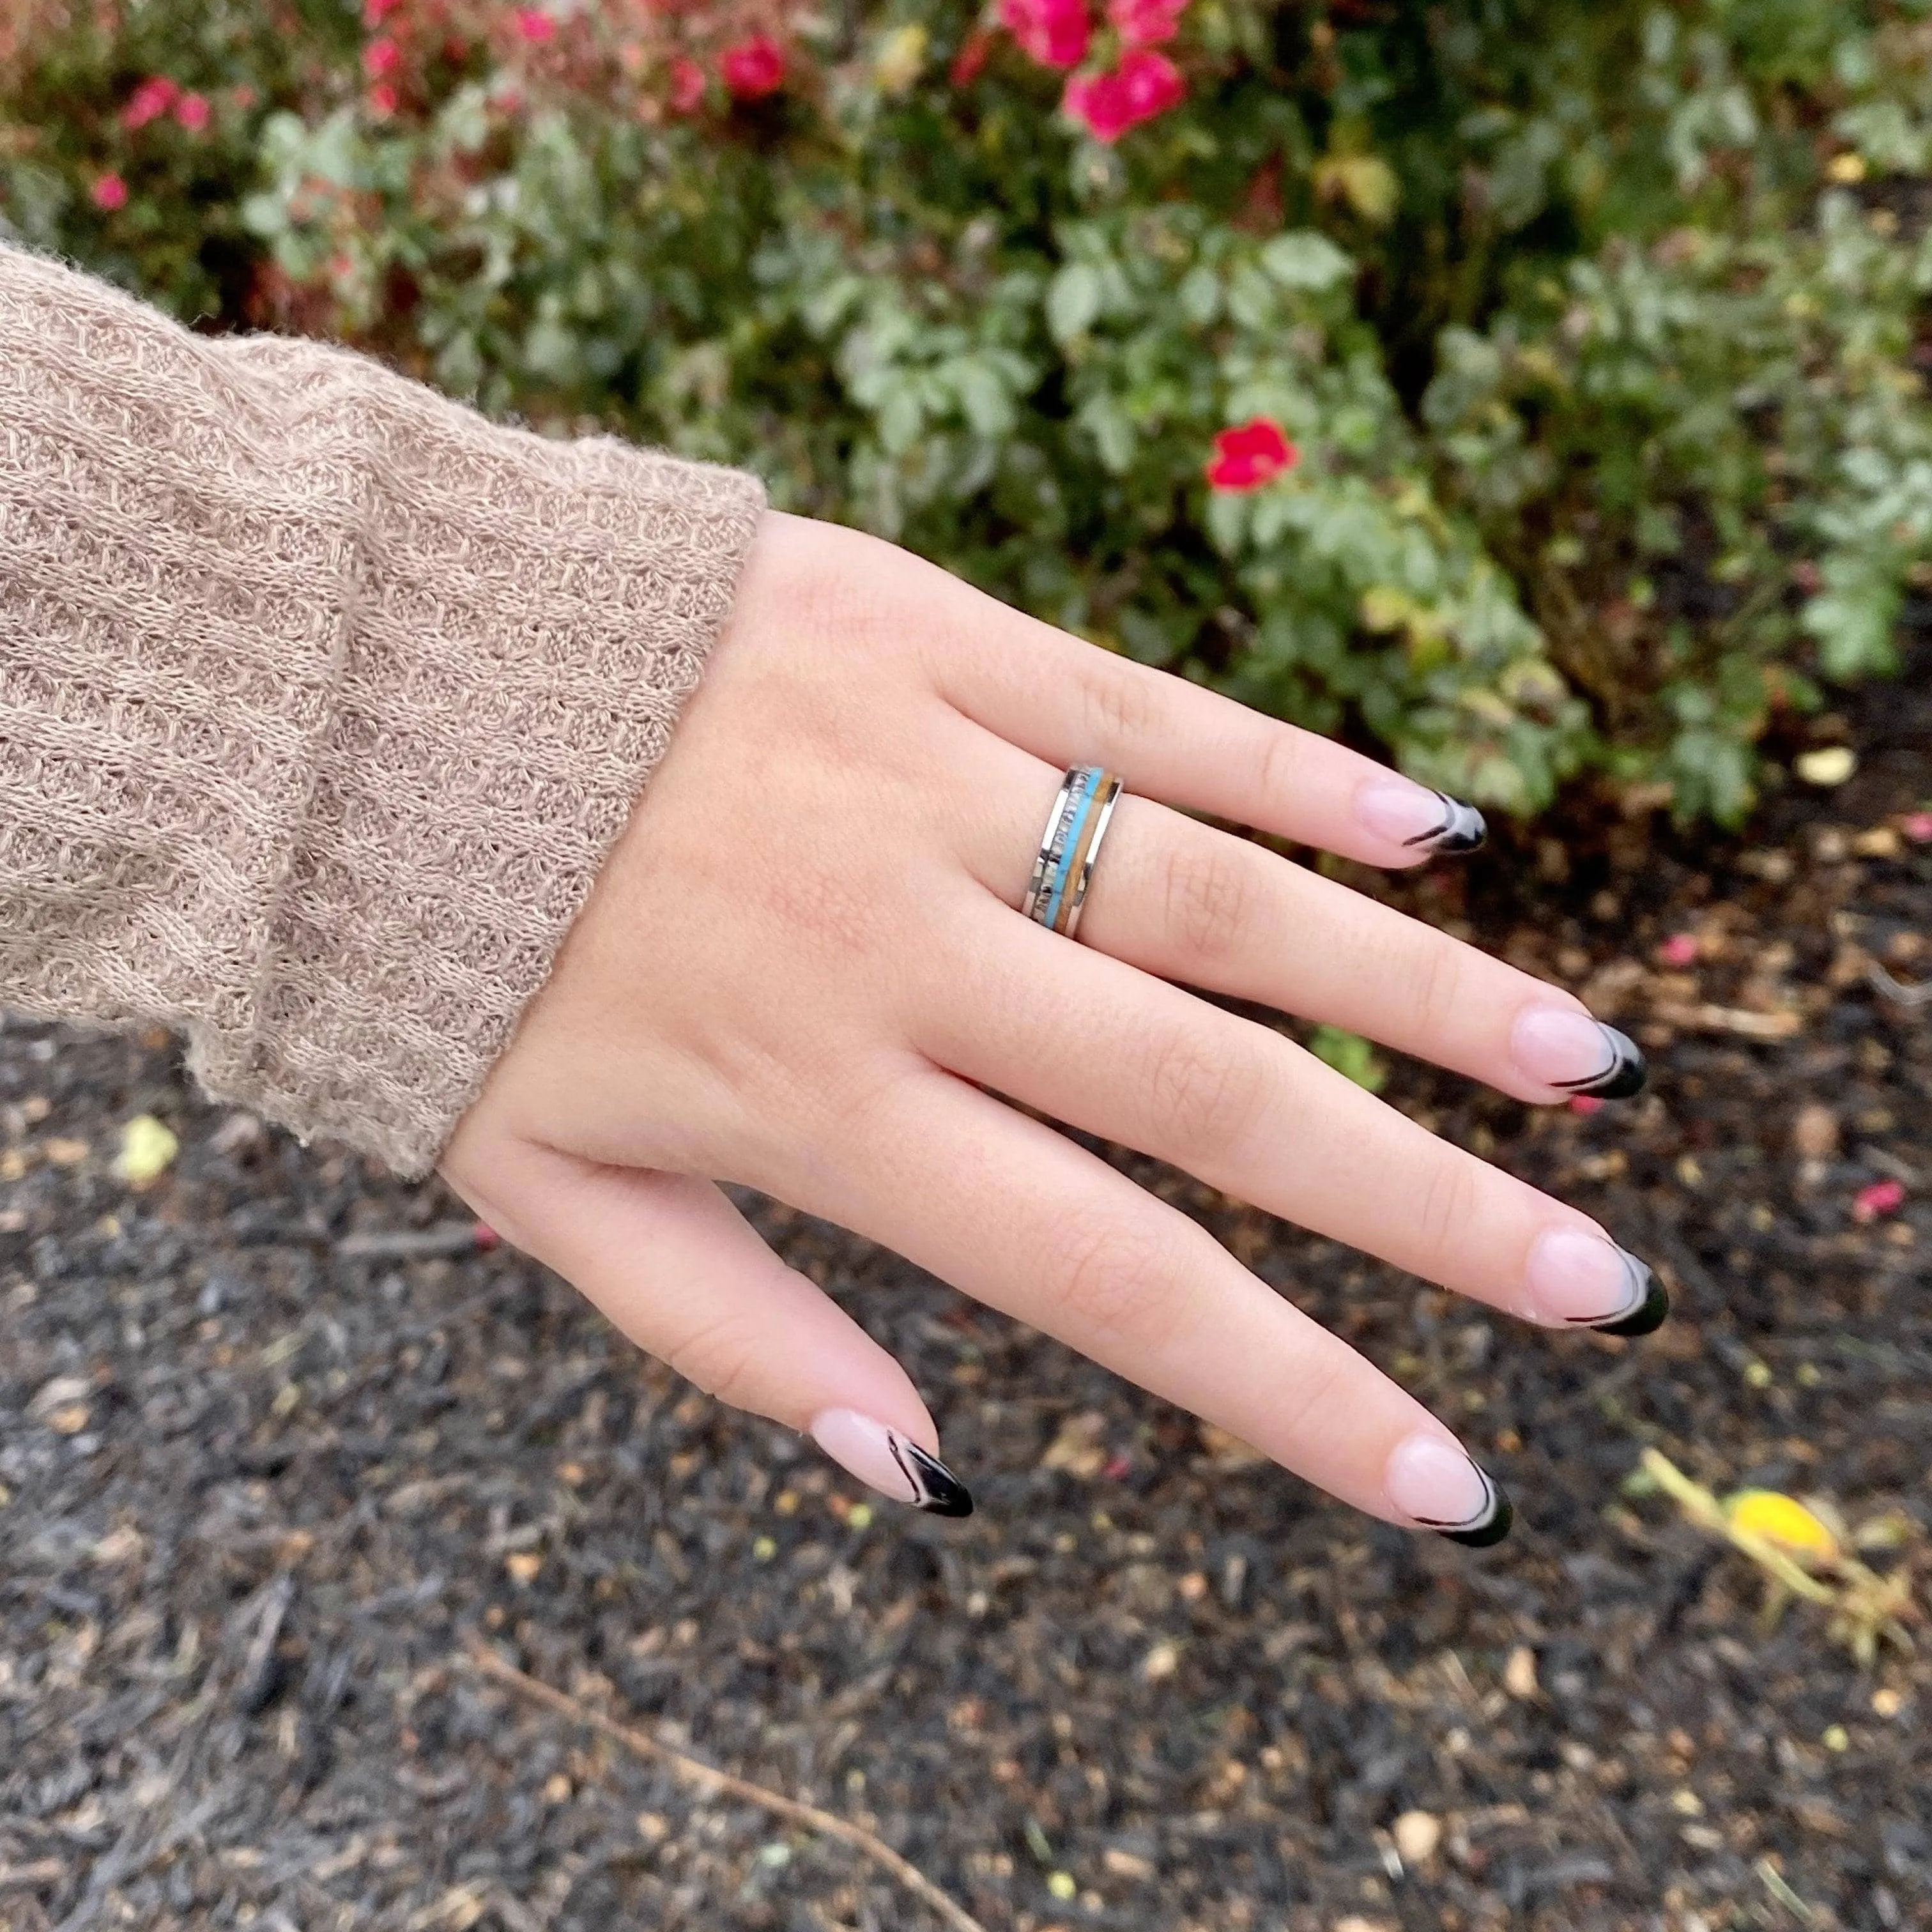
[321,700]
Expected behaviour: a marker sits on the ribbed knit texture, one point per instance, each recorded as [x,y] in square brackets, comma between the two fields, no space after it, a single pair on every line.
[322,700]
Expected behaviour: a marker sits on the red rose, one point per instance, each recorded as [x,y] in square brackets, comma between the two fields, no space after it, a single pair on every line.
[110,192]
[149,101]
[687,86]
[1146,23]
[382,98]
[375,12]
[754,68]
[191,111]
[970,58]
[1055,32]
[534,24]
[380,57]
[1254,454]
[1143,85]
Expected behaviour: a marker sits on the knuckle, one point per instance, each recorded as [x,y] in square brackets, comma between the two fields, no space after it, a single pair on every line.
[1120,709]
[1116,1279]
[1209,899]
[1278,768]
[1438,992]
[1206,1087]
[720,1356]
[1445,1208]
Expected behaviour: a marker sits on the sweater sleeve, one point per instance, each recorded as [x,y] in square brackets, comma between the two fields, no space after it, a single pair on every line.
[322,700]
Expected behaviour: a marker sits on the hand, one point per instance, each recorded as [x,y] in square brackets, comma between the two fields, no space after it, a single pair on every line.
[803,966]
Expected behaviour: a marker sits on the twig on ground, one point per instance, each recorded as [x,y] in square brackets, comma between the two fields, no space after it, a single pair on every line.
[1919,995]
[703,1776]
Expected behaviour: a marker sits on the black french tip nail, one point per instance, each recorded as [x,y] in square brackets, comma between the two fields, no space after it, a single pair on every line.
[1462,828]
[1624,1076]
[1490,1524]
[1649,1315]
[1484,1534]
[1646,1305]
[936,1489]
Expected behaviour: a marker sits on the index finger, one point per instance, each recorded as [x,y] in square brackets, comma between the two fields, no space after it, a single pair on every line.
[1068,702]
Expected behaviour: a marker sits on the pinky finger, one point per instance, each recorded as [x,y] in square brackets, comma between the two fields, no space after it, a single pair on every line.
[687,1278]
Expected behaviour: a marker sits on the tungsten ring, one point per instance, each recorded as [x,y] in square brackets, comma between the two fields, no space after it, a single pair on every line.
[1071,844]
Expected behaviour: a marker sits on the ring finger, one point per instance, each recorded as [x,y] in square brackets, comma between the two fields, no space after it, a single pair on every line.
[1089,1039]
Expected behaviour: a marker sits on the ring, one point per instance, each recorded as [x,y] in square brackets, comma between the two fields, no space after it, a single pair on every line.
[1064,868]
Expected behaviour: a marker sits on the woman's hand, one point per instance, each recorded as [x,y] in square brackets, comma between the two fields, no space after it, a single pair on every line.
[804,970]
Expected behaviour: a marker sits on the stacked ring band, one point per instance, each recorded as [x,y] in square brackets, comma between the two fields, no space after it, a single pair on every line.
[1064,868]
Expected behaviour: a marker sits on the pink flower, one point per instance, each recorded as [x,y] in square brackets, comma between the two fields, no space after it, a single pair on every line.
[1917,826]
[380,57]
[1882,1197]
[1055,32]
[484,1236]
[1585,1104]
[149,101]
[754,68]
[375,12]
[1679,950]
[534,24]
[1143,85]
[1247,458]
[191,111]
[110,192]
[687,86]
[381,99]
[1146,23]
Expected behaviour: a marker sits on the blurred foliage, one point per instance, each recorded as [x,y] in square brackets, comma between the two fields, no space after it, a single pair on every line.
[1602,329]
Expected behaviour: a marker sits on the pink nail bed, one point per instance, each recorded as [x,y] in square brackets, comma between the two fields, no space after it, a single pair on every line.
[1412,816]
[1559,1047]
[1435,1485]
[1576,1276]
[885,1460]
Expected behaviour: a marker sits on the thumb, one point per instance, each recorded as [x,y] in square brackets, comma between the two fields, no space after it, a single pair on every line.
[682,1273]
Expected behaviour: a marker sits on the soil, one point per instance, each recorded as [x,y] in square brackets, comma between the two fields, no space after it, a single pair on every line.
[275,1434]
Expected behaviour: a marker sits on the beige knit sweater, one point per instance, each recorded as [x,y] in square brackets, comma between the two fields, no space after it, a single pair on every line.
[322,699]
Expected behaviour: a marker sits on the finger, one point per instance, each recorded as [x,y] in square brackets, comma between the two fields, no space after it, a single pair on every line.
[1019,1217]
[1088,1039]
[1068,702]
[1186,901]
[682,1273]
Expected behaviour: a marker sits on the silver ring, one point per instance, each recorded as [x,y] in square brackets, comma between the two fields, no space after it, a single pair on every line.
[1064,869]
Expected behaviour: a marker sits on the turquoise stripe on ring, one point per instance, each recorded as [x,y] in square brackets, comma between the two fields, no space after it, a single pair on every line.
[1064,867]
[1079,806]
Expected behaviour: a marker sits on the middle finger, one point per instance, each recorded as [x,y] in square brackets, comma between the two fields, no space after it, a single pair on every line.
[1089,1040]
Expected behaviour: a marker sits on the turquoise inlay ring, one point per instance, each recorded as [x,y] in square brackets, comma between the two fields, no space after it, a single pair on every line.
[1064,868]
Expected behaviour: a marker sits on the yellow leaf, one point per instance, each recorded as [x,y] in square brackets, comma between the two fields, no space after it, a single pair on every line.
[902,54]
[1366,182]
[148,1150]
[1386,608]
[1782,1521]
[1830,765]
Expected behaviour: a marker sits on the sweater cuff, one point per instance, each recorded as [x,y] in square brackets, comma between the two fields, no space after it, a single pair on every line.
[523,620]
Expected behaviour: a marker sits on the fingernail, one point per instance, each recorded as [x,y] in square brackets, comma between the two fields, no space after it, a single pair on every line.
[890,1463]
[1434,1483]
[1410,815]
[1587,1280]
[1563,1048]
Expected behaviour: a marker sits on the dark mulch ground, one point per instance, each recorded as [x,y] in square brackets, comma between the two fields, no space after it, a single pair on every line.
[257,1484]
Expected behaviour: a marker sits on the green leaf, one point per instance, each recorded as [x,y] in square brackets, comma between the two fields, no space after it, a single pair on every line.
[1302,259]
[1072,302]
[1351,1055]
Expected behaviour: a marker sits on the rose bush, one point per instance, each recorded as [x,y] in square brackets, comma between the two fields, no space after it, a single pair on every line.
[1526,384]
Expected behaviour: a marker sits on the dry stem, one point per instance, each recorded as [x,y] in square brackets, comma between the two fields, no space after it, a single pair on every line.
[702,1777]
